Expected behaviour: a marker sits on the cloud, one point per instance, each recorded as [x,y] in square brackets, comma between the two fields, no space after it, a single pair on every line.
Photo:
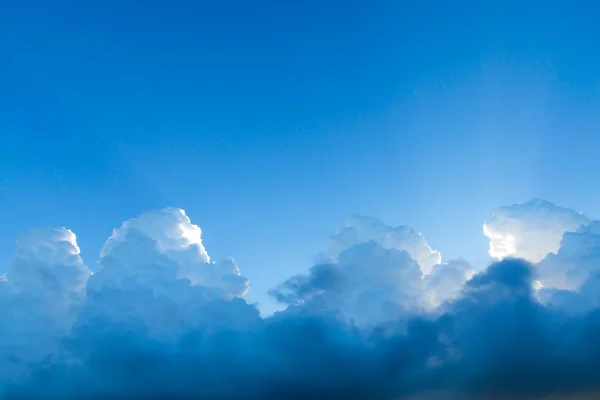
[370,284]
[170,228]
[578,256]
[496,340]
[571,277]
[446,281]
[360,229]
[159,319]
[47,263]
[530,230]
[39,297]
[366,283]
[162,246]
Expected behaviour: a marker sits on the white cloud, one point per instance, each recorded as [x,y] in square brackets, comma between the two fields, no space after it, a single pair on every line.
[165,244]
[446,281]
[39,297]
[47,262]
[530,230]
[170,228]
[375,273]
[361,229]
[571,277]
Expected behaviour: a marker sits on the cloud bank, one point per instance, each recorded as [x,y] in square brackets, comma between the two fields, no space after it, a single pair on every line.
[380,317]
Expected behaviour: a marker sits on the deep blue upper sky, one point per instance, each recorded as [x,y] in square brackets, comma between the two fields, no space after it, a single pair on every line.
[271,121]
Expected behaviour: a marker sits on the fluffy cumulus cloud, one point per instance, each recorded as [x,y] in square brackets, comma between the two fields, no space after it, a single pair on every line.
[380,317]
[40,296]
[374,273]
[360,229]
[530,230]
[366,283]
[446,281]
[161,246]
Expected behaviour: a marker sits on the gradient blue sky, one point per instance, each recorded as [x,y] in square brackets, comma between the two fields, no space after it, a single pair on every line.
[272,121]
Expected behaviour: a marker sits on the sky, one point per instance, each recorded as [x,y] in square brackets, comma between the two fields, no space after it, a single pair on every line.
[305,200]
[272,122]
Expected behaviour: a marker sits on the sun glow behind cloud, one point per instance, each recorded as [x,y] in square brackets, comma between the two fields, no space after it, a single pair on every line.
[502,245]
[530,230]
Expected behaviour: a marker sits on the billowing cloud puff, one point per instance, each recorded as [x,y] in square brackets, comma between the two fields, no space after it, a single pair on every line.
[571,277]
[370,284]
[530,230]
[577,258]
[160,320]
[446,281]
[47,262]
[375,273]
[39,297]
[171,230]
[361,229]
[366,283]
[165,245]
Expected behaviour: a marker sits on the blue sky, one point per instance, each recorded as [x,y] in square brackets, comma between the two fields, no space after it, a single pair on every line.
[271,122]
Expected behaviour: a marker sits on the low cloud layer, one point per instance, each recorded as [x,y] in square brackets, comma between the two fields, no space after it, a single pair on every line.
[381,317]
